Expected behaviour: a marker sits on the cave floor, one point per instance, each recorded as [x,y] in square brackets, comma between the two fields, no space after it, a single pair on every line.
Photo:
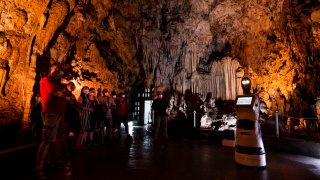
[144,158]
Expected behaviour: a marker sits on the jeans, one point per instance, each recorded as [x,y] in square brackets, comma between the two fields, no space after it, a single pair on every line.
[161,125]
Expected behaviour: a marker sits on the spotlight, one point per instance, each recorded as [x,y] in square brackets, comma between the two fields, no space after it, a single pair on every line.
[246,85]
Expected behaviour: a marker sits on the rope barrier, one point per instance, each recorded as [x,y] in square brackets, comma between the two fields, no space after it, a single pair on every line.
[304,118]
[293,118]
[216,114]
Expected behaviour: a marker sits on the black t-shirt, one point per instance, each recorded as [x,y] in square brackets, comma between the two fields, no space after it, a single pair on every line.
[159,106]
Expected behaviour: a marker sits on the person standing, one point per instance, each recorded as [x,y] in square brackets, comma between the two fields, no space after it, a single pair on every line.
[93,115]
[122,114]
[72,119]
[84,111]
[114,114]
[106,103]
[53,107]
[159,106]
[102,114]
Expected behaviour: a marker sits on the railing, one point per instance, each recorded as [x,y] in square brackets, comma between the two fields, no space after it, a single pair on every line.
[290,127]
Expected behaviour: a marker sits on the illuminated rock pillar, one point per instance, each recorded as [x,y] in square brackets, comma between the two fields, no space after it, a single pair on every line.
[27,89]
[3,75]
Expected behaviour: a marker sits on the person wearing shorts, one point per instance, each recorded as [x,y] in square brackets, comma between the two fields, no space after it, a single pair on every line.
[53,108]
[51,123]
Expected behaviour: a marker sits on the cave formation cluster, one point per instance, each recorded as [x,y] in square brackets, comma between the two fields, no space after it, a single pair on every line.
[188,45]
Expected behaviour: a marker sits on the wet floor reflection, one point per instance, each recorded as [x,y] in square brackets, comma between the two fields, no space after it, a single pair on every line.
[140,149]
[143,158]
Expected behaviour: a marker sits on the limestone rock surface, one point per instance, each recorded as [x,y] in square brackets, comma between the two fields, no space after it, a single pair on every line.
[200,46]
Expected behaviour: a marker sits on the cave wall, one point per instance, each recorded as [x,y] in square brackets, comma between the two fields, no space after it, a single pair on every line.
[196,45]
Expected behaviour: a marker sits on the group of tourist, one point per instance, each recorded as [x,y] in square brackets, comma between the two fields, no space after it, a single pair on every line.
[105,113]
[64,116]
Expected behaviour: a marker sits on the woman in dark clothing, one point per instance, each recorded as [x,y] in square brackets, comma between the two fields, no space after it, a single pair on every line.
[94,114]
[84,111]
[72,118]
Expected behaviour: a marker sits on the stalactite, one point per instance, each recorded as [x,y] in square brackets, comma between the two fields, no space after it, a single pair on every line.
[239,76]
[222,82]
[235,66]
[197,87]
[191,61]
[205,89]
[184,82]
[194,57]
[230,67]
[212,81]
[211,85]
[183,86]
[192,87]
[220,85]
[226,73]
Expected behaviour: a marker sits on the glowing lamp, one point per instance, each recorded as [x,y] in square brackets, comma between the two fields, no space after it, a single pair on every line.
[246,85]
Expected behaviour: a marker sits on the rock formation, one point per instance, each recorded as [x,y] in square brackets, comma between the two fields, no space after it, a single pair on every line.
[196,45]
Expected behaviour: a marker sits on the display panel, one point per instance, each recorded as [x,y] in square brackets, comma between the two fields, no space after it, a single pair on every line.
[246,100]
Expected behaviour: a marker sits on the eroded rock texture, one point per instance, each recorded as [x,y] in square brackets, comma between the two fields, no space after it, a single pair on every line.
[197,45]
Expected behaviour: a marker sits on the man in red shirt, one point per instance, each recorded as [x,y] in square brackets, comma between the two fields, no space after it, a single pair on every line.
[122,113]
[53,107]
